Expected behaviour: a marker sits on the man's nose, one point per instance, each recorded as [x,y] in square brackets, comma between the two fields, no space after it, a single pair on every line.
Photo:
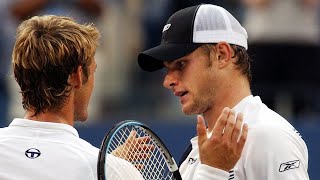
[169,80]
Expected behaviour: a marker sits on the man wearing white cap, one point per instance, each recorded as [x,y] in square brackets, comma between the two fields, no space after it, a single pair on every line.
[204,49]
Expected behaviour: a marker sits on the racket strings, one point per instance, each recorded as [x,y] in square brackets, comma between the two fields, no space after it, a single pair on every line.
[128,143]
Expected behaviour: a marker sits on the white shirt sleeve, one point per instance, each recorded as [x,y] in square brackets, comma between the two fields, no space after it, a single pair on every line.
[275,154]
[192,169]
[204,172]
[119,169]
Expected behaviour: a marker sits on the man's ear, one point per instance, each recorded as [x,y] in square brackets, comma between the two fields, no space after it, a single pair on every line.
[224,53]
[76,78]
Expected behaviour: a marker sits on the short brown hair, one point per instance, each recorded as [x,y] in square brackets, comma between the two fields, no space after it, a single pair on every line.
[48,49]
[243,62]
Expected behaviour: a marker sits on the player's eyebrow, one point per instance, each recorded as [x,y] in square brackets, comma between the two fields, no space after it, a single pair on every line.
[166,64]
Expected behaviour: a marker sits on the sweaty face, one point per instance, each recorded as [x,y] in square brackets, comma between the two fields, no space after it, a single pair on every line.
[82,97]
[193,80]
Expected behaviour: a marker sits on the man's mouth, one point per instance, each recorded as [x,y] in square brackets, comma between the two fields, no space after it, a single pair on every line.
[181,93]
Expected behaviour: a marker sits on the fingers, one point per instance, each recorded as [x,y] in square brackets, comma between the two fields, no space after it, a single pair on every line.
[221,123]
[131,136]
[243,138]
[237,128]
[133,140]
[132,150]
[229,127]
[223,149]
[201,130]
[143,148]
[142,140]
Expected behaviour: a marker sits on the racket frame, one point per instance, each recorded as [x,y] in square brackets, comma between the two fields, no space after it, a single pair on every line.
[171,163]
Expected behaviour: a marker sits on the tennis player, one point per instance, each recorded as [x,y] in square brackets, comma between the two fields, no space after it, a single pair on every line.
[203,49]
[54,65]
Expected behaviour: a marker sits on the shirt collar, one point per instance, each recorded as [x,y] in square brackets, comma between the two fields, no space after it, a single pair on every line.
[19,122]
[242,104]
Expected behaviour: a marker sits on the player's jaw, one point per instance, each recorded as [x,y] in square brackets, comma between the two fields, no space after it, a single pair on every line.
[193,104]
[198,97]
[84,94]
[81,109]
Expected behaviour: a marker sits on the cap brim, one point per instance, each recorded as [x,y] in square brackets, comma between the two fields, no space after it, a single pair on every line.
[152,59]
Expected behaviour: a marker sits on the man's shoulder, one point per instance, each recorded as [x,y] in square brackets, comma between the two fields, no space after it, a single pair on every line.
[3,131]
[266,125]
[257,115]
[273,132]
[272,126]
[7,132]
[87,148]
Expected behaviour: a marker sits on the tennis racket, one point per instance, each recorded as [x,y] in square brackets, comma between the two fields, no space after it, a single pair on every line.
[136,143]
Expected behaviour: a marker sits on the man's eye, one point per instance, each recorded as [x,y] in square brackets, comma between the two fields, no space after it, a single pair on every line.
[180,64]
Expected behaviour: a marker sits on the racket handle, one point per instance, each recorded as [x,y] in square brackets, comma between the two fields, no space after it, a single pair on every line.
[177,175]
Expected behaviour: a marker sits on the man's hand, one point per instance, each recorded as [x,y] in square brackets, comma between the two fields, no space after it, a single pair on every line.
[134,148]
[223,149]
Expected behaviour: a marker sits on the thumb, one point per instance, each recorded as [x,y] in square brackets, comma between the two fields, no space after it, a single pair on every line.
[201,130]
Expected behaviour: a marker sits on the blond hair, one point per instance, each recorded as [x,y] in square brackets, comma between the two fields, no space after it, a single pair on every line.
[48,49]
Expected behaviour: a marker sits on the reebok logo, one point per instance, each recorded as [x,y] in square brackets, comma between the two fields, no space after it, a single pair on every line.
[166,27]
[289,165]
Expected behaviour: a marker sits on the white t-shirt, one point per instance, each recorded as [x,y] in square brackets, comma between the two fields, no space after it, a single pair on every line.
[274,150]
[32,150]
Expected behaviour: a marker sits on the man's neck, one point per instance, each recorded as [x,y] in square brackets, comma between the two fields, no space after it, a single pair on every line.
[229,98]
[56,117]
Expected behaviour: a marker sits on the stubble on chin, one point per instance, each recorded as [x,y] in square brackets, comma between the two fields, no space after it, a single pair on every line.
[194,108]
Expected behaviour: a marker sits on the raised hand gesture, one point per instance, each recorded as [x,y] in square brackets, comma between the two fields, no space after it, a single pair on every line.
[223,148]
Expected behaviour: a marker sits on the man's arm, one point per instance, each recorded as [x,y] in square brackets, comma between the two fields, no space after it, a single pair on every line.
[120,169]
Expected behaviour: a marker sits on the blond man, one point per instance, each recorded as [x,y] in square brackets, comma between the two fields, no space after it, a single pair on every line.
[54,65]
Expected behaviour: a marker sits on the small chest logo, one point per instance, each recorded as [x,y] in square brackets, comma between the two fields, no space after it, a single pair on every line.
[192,160]
[289,165]
[32,153]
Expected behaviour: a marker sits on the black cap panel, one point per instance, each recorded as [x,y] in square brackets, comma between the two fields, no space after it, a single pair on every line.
[177,41]
[181,26]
